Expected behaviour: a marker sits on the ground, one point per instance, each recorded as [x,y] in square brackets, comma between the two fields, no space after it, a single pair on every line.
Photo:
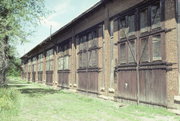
[43,103]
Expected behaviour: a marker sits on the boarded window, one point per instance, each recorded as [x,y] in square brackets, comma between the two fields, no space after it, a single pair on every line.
[131,52]
[144,50]
[123,28]
[92,57]
[156,47]
[123,53]
[131,24]
[155,15]
[89,44]
[144,20]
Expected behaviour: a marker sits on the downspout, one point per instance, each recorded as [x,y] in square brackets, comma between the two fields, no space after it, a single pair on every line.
[178,36]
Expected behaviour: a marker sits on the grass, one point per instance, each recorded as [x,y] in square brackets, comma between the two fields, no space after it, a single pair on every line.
[43,103]
[9,103]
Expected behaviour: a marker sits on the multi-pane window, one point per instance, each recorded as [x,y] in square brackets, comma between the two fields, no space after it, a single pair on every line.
[49,60]
[88,50]
[156,47]
[144,20]
[131,52]
[144,56]
[40,62]
[127,26]
[123,28]
[155,15]
[149,43]
[131,25]
[34,61]
[63,60]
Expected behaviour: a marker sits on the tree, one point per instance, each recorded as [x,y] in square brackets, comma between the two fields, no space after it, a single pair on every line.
[15,16]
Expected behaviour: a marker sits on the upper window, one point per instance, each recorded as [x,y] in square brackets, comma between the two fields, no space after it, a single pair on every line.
[155,15]
[88,44]
[144,20]
[131,25]
[123,28]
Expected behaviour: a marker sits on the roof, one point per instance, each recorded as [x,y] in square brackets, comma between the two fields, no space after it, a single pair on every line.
[68,25]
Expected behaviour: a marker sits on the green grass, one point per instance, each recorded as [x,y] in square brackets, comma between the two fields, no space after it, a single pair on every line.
[43,103]
[9,103]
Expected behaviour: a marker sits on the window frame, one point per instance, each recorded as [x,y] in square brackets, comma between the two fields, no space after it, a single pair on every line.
[84,51]
[49,60]
[63,52]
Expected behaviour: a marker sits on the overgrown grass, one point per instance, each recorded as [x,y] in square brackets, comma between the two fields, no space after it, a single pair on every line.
[43,103]
[9,103]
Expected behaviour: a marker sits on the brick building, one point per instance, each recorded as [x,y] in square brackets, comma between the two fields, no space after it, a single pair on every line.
[123,49]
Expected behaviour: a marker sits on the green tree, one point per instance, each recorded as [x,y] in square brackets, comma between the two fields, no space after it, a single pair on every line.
[15,17]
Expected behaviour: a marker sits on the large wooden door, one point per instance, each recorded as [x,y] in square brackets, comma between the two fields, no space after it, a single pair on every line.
[63,79]
[49,77]
[88,80]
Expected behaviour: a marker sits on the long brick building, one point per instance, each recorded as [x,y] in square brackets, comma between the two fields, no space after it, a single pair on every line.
[122,49]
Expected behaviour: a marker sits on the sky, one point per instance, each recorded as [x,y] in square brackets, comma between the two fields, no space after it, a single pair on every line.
[63,12]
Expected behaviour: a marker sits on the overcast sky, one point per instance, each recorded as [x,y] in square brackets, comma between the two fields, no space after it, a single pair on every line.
[64,12]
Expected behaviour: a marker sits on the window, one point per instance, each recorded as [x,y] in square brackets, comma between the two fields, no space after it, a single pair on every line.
[122,53]
[131,24]
[144,20]
[92,58]
[40,62]
[155,15]
[88,50]
[156,47]
[92,40]
[34,64]
[63,60]
[60,63]
[49,60]
[132,52]
[144,50]
[150,44]
[123,28]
